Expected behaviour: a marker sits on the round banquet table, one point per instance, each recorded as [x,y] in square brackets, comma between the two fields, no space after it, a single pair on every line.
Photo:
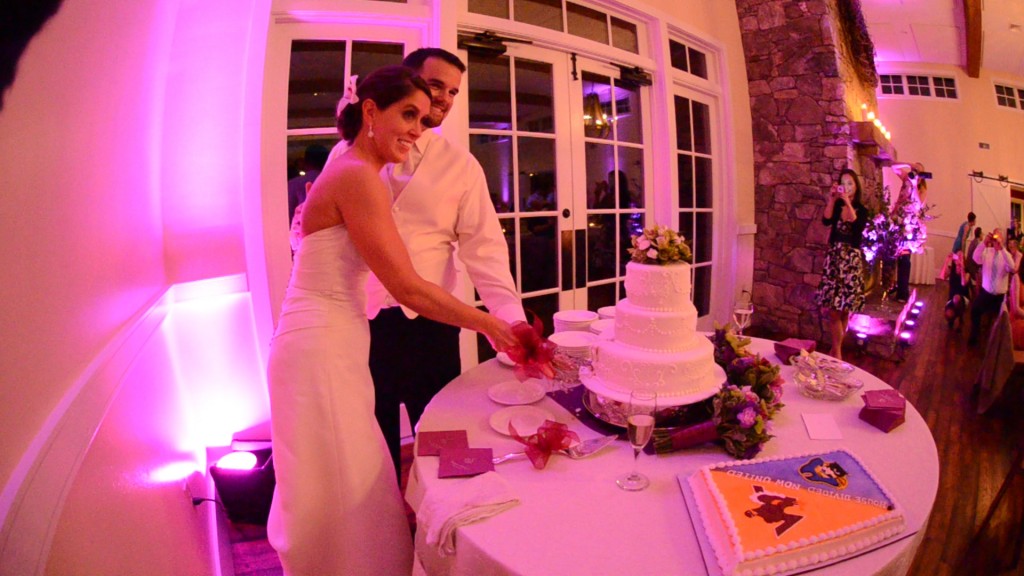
[573,520]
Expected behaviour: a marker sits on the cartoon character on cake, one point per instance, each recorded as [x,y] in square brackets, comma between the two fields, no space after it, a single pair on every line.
[772,510]
[831,473]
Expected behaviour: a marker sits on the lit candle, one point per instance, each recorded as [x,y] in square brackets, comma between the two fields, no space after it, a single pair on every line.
[871,116]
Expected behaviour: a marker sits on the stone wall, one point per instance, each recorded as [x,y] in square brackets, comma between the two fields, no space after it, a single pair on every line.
[803,94]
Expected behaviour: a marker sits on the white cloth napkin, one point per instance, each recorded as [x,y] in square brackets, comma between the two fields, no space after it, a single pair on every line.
[457,503]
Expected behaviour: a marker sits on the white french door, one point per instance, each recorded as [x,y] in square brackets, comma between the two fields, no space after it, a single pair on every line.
[567,170]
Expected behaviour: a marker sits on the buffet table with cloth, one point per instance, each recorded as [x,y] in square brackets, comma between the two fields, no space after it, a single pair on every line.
[572,519]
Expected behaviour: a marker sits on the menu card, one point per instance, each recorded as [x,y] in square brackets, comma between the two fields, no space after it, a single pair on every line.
[465,462]
[430,443]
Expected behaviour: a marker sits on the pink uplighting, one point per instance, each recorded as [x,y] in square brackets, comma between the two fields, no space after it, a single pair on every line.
[905,335]
[910,323]
[173,471]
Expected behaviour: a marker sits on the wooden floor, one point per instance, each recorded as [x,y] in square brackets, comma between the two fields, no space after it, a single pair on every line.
[975,453]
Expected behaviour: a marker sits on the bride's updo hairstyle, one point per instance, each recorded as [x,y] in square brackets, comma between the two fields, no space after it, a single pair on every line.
[385,86]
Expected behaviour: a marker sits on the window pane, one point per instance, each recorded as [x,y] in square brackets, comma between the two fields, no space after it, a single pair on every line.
[686,227]
[601,296]
[631,177]
[628,115]
[597,107]
[702,182]
[306,158]
[698,63]
[368,56]
[537,174]
[508,228]
[702,290]
[497,8]
[685,165]
[537,238]
[677,54]
[534,96]
[489,88]
[546,13]
[702,238]
[683,123]
[600,170]
[495,152]
[629,225]
[624,35]
[701,128]
[316,82]
[600,246]
[587,23]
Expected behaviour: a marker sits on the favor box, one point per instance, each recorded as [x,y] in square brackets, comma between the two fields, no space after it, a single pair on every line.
[790,347]
[884,409]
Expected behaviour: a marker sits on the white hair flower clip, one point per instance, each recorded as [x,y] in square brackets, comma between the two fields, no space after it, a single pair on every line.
[350,96]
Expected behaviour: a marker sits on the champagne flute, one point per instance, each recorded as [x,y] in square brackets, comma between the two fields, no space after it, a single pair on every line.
[741,316]
[639,427]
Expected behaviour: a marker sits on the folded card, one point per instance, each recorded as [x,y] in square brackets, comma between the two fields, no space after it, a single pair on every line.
[465,462]
[790,347]
[430,443]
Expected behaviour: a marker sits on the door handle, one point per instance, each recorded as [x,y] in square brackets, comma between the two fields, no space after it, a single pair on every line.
[566,213]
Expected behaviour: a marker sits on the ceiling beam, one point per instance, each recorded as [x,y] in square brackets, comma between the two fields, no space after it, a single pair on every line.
[972,33]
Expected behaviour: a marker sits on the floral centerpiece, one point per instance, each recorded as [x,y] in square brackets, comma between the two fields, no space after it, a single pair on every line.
[741,412]
[660,245]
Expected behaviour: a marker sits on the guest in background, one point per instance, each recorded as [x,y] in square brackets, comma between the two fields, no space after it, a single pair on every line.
[955,273]
[970,266]
[1013,232]
[841,289]
[439,202]
[997,267]
[313,161]
[964,234]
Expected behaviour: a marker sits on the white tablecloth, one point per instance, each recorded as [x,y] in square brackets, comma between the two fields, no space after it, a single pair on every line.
[574,520]
[922,267]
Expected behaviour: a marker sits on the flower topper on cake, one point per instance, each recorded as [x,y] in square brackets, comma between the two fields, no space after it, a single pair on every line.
[660,245]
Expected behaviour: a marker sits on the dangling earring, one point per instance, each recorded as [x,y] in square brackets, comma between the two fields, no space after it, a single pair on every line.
[370,133]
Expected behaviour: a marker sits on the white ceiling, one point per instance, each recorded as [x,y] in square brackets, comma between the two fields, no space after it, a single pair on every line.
[932,31]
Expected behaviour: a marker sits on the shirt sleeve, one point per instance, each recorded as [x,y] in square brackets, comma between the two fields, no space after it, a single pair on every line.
[483,249]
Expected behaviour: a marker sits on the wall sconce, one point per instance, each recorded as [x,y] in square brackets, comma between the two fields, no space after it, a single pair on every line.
[245,484]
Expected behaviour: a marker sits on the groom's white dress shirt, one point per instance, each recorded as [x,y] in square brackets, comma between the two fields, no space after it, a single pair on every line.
[440,200]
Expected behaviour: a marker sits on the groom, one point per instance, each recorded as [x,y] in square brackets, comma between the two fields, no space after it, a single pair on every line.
[440,201]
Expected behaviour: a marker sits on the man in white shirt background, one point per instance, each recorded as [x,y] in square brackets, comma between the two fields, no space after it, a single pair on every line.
[996,266]
[440,200]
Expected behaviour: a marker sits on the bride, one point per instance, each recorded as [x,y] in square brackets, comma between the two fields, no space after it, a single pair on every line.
[337,508]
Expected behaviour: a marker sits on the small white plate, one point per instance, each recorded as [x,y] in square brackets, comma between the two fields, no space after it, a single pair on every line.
[504,359]
[526,419]
[514,392]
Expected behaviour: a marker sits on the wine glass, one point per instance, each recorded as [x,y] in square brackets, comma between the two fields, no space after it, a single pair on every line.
[639,427]
[741,314]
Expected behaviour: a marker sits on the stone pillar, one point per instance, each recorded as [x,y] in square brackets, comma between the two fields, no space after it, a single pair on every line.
[803,95]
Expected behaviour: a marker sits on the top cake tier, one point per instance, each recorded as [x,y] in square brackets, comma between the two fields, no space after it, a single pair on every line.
[659,287]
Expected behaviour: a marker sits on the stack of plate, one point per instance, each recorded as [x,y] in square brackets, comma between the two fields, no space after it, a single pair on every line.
[606,312]
[574,343]
[569,320]
[603,327]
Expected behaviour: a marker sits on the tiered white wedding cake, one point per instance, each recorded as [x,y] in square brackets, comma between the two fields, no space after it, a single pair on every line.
[655,344]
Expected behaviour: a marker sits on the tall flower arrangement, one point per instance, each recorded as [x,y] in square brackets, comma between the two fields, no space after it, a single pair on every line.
[896,228]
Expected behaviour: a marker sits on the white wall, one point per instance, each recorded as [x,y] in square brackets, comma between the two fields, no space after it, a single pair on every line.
[125,139]
[944,136]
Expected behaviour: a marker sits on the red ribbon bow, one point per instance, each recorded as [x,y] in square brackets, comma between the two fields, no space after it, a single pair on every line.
[534,354]
[551,436]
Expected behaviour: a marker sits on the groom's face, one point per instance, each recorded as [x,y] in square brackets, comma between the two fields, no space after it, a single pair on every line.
[444,80]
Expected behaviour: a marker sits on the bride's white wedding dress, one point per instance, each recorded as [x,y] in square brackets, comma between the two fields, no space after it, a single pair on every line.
[337,507]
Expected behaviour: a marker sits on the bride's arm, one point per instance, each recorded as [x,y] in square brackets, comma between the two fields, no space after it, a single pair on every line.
[364,204]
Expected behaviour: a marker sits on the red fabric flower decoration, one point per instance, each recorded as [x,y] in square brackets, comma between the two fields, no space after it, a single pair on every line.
[534,354]
[551,436]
